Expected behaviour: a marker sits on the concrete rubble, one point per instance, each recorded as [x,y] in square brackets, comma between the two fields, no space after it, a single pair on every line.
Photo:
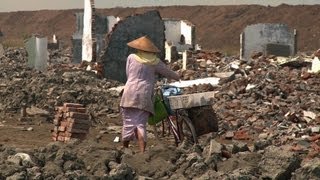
[270,130]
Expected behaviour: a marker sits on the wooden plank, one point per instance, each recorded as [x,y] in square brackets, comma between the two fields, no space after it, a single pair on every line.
[191,100]
[63,109]
[75,105]
[74,109]
[73,130]
[79,121]
[79,126]
[77,115]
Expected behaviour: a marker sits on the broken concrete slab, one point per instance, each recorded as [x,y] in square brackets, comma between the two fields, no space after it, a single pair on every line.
[278,163]
[37,111]
[309,170]
[315,67]
[116,52]
[309,116]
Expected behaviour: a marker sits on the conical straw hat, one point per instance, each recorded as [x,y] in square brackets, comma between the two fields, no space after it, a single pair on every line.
[143,43]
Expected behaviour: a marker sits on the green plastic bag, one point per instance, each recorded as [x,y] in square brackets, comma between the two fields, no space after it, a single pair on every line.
[160,111]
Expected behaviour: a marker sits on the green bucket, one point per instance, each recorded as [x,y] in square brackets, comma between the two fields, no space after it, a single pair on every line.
[160,111]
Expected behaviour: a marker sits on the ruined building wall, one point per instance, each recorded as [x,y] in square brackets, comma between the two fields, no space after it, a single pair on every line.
[116,52]
[102,28]
[186,30]
[173,31]
[260,37]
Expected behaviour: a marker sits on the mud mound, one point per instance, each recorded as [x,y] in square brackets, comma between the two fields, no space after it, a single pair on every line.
[217,27]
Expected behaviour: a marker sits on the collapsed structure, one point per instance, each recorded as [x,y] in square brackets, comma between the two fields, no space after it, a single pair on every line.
[180,36]
[271,39]
[89,39]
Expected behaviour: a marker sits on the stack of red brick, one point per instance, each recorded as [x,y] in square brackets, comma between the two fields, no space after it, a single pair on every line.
[71,121]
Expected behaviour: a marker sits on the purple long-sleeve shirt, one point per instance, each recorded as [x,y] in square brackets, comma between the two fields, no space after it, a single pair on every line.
[139,88]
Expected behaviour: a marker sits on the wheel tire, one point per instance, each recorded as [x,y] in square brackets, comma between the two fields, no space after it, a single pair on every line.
[188,130]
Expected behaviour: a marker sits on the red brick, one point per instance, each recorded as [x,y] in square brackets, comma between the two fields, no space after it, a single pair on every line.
[58,108]
[314,138]
[64,123]
[297,148]
[60,138]
[226,154]
[62,128]
[241,135]
[57,121]
[312,154]
[55,129]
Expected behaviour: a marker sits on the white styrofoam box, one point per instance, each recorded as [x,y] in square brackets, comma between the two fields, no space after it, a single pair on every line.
[188,83]
[191,100]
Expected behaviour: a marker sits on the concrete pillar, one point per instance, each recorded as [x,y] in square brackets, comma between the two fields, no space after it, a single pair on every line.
[87,43]
[184,60]
[41,54]
[168,51]
[295,41]
[241,45]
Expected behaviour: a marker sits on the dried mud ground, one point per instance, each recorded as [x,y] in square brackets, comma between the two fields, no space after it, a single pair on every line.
[15,133]
[35,134]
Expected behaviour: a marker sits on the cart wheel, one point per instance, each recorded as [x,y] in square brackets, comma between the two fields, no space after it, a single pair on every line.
[188,130]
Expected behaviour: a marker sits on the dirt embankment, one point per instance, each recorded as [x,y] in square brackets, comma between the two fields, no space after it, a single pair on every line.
[217,27]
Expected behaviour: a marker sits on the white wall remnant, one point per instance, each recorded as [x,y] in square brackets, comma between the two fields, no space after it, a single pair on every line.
[187,32]
[112,21]
[315,68]
[180,33]
[37,49]
[87,32]
[54,39]
[275,39]
[41,54]
[168,51]
[184,60]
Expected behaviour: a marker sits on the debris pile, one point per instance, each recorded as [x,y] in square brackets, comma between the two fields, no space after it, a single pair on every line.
[269,123]
[20,85]
[71,121]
